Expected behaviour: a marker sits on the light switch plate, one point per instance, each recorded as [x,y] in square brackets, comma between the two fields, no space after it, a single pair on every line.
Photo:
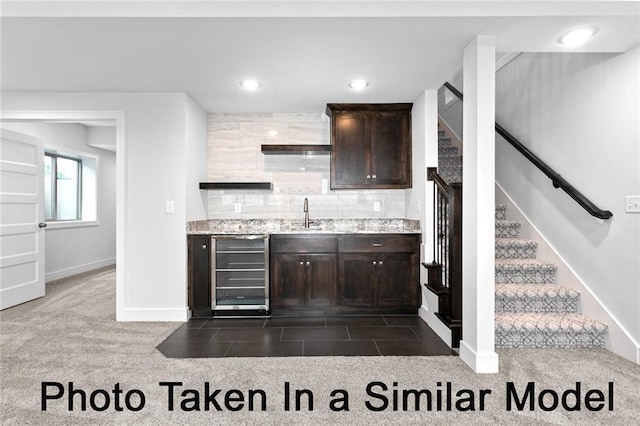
[376,206]
[237,207]
[632,203]
[168,206]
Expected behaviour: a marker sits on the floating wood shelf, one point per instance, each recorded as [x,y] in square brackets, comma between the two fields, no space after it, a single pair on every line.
[295,149]
[237,185]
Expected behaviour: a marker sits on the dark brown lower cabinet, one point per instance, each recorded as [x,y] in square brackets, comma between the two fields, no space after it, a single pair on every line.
[199,274]
[377,281]
[299,277]
[378,271]
[343,273]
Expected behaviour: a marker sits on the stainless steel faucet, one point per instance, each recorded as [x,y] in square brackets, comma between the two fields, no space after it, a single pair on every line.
[307,221]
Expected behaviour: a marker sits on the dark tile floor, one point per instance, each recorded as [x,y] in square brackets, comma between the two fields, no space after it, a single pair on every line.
[373,335]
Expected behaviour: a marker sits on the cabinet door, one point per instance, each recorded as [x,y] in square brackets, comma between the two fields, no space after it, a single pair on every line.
[351,151]
[320,280]
[356,279]
[397,280]
[199,274]
[287,280]
[390,155]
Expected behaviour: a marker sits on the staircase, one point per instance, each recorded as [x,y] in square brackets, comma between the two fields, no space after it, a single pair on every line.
[532,310]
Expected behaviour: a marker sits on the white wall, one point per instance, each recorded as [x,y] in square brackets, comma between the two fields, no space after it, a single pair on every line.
[579,113]
[151,164]
[70,251]
[196,167]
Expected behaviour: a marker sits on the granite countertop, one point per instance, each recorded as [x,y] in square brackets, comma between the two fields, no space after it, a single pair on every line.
[289,226]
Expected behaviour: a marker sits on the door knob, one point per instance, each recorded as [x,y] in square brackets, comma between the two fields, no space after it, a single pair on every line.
[42,225]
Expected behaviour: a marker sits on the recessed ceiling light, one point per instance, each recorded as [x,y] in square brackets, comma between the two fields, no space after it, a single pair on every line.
[250,84]
[577,37]
[358,84]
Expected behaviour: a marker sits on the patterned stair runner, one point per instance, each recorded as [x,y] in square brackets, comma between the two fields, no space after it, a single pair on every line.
[532,310]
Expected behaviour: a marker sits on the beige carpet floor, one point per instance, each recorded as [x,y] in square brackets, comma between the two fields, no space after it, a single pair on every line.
[71,335]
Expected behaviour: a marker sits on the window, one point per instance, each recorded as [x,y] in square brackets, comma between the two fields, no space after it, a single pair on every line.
[70,189]
[63,188]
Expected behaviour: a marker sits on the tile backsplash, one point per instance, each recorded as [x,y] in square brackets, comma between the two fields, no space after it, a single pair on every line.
[234,155]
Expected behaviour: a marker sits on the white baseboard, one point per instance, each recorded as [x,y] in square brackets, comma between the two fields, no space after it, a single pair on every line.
[483,363]
[153,314]
[619,340]
[434,322]
[64,273]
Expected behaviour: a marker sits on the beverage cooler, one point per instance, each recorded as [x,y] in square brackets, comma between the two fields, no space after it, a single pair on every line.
[240,274]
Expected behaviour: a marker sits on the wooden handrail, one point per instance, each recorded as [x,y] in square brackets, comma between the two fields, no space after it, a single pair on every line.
[556,179]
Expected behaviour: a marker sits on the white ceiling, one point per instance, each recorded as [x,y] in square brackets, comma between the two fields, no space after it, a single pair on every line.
[303,52]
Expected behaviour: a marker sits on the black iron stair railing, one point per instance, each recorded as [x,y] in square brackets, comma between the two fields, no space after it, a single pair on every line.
[556,179]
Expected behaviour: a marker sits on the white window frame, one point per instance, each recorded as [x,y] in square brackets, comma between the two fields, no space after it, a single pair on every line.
[88,197]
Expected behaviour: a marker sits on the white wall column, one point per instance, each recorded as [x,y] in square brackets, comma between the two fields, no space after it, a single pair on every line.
[477,347]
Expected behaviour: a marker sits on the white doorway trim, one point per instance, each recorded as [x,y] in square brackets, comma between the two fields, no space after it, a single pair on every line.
[118,117]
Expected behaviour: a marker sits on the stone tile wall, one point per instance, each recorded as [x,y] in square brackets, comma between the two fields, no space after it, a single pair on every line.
[234,156]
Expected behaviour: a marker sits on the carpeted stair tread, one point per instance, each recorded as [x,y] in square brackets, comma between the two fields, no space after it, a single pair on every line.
[515,248]
[535,298]
[525,263]
[501,211]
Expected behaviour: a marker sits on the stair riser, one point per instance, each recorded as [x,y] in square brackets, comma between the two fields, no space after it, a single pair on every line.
[444,150]
[540,305]
[449,162]
[516,251]
[550,339]
[525,276]
[507,231]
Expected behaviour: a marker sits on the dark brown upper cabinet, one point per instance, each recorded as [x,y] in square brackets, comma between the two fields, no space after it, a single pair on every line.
[371,146]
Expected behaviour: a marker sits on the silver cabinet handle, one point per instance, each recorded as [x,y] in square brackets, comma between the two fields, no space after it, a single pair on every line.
[308,263]
[374,262]
[301,262]
[373,177]
[204,247]
[377,244]
[380,262]
[368,176]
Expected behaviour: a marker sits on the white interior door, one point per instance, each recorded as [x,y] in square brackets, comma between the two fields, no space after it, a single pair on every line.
[21,213]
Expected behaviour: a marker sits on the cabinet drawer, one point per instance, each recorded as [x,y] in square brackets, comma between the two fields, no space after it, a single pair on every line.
[378,244]
[313,244]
